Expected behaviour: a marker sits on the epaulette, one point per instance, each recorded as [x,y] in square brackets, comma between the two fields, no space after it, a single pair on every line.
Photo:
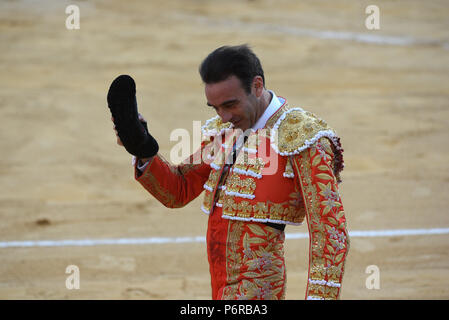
[297,130]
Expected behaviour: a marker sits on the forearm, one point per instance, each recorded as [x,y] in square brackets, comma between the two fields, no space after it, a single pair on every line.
[174,186]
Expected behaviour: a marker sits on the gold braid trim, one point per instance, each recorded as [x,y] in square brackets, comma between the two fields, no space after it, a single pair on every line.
[329,239]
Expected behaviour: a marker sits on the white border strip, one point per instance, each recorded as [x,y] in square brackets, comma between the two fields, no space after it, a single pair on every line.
[200,239]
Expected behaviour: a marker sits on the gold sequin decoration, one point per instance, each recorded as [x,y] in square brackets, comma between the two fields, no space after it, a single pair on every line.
[298,127]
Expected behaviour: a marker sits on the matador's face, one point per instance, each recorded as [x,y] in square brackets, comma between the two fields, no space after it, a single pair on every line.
[233,104]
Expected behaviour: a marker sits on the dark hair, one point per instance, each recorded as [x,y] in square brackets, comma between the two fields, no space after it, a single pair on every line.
[232,60]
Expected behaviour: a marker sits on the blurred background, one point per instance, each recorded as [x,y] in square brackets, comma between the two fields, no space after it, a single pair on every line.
[63,177]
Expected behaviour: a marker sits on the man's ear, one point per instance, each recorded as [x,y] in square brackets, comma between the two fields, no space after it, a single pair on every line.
[258,86]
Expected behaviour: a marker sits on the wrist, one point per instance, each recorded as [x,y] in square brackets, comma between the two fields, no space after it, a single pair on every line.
[142,161]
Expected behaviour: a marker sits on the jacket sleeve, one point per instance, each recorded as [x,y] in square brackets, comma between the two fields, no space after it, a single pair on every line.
[174,185]
[328,236]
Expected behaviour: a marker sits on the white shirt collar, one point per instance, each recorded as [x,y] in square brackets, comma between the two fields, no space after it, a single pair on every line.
[274,105]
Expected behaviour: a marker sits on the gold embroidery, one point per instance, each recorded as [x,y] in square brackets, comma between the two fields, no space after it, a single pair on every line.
[297,129]
[150,183]
[256,165]
[252,166]
[212,181]
[235,183]
[248,186]
[276,211]
[288,172]
[245,209]
[271,122]
[233,259]
[260,210]
[210,185]
[252,142]
[240,166]
[255,265]
[214,126]
[207,201]
[327,225]
[229,206]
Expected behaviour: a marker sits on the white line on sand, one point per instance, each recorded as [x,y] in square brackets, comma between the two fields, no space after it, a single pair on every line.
[200,239]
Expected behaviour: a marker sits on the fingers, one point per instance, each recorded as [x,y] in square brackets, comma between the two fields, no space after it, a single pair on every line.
[119,142]
[141,118]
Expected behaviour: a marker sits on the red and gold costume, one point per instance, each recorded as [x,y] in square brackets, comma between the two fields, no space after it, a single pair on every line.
[284,174]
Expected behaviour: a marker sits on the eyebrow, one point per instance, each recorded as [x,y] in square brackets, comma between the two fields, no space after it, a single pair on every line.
[227,102]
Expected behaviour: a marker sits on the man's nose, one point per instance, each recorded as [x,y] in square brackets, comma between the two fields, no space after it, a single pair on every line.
[225,115]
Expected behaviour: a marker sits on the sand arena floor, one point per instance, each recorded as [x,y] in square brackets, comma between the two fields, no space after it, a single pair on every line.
[63,177]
